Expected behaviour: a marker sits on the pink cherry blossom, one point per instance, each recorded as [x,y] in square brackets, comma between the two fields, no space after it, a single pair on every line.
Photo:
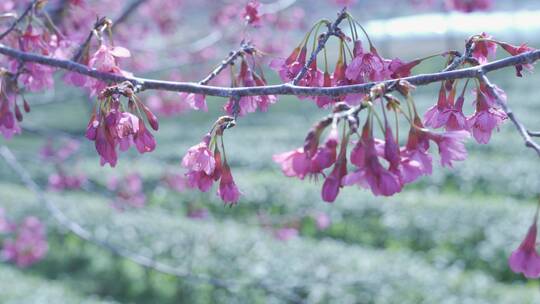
[286,233]
[525,258]
[484,50]
[366,67]
[517,50]
[446,113]
[227,190]
[290,67]
[370,172]
[200,158]
[332,183]
[451,146]
[105,59]
[485,119]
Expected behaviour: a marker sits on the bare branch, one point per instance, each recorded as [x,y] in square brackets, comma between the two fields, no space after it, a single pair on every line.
[282,89]
[518,124]
[533,134]
[16,22]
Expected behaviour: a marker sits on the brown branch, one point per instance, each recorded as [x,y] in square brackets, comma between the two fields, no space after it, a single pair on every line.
[517,123]
[21,18]
[333,29]
[282,89]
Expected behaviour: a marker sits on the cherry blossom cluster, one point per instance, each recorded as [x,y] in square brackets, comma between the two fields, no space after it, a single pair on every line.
[385,165]
[249,75]
[206,163]
[117,126]
[24,243]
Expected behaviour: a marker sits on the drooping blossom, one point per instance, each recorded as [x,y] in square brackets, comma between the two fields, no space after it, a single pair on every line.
[370,173]
[366,67]
[517,50]
[451,146]
[247,77]
[29,244]
[525,258]
[332,183]
[201,164]
[200,158]
[228,191]
[311,159]
[290,67]
[111,128]
[485,119]
[415,158]
[447,113]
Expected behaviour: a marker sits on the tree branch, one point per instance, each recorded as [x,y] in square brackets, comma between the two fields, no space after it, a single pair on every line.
[282,89]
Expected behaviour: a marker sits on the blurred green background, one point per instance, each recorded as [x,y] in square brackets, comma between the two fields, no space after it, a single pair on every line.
[444,239]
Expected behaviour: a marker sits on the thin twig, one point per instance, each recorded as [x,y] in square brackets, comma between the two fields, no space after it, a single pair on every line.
[21,18]
[517,123]
[533,134]
[332,30]
[469,47]
[245,48]
[282,89]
